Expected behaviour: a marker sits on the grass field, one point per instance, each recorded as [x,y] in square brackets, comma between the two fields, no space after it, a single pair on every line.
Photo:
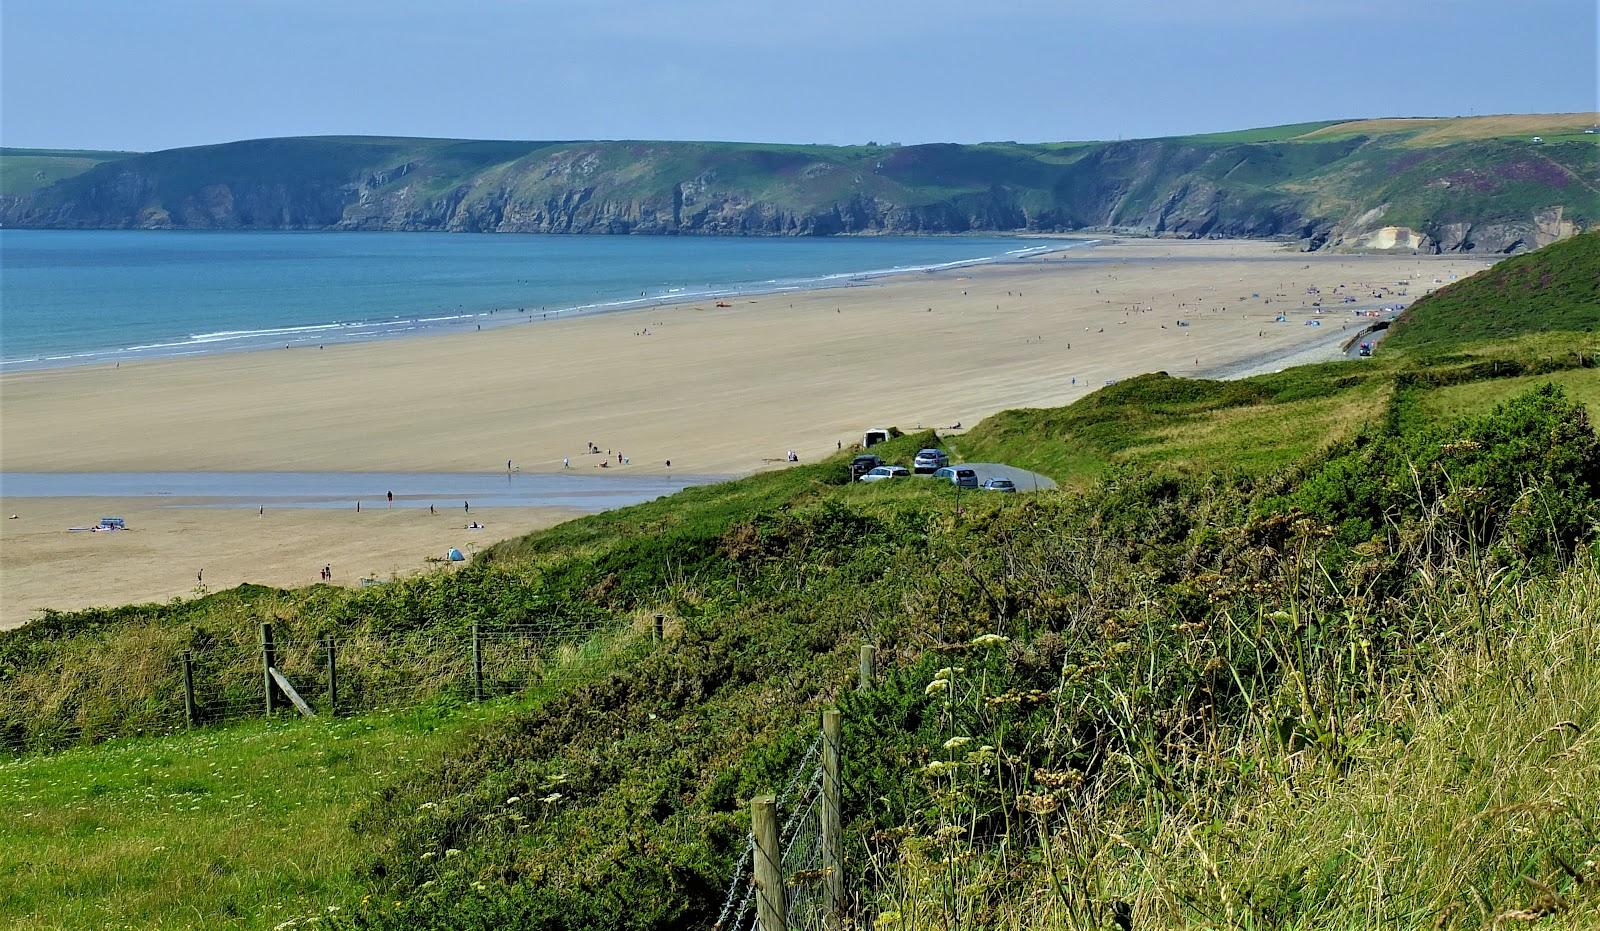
[1582,385]
[233,827]
[1431,131]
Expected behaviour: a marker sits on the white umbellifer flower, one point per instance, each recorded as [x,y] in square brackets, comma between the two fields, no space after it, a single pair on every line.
[513,800]
[955,742]
[937,686]
[990,640]
[452,852]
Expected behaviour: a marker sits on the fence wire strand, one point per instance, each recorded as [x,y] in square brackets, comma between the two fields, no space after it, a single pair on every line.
[374,672]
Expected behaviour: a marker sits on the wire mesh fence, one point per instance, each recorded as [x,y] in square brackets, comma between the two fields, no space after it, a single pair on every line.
[800,860]
[167,686]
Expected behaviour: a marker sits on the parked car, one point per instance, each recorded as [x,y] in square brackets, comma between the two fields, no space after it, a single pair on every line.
[861,465]
[1000,484]
[886,471]
[929,461]
[960,476]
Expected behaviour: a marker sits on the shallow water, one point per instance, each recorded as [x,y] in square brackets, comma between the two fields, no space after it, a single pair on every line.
[335,490]
[82,296]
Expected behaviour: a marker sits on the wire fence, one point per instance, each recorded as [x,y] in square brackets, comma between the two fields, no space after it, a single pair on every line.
[162,688]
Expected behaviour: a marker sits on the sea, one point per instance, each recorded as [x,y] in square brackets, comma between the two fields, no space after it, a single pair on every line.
[77,297]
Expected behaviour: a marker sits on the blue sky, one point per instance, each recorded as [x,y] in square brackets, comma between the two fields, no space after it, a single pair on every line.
[147,74]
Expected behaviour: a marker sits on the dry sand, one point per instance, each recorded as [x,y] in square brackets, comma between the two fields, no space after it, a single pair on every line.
[42,566]
[715,390]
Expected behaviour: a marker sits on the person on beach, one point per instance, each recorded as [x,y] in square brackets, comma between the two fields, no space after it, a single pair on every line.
[431,510]
[466,507]
[391,499]
[566,463]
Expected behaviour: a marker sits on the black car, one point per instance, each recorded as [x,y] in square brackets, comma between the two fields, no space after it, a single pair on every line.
[861,465]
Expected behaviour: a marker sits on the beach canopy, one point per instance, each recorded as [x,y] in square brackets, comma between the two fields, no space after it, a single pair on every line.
[454,555]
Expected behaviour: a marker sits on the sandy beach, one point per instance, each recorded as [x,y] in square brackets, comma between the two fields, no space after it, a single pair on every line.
[715,390]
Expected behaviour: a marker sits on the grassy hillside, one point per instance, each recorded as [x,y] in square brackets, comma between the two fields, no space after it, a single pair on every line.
[1466,184]
[1244,673]
[1555,289]
[23,171]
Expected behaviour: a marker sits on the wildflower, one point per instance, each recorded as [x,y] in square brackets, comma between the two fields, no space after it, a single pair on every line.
[333,908]
[936,687]
[452,852]
[990,640]
[513,800]
[949,671]
[552,798]
[428,806]
[955,742]
[940,767]
[428,856]
[886,919]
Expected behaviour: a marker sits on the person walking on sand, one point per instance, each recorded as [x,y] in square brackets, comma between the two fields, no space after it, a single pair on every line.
[431,510]
[391,499]
[466,507]
[566,462]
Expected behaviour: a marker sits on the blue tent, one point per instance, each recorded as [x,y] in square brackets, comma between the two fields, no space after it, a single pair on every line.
[454,555]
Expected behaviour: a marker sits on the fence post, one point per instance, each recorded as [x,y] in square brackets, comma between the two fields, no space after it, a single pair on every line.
[477,664]
[190,713]
[269,658]
[869,657]
[333,677]
[832,822]
[661,627]
[772,914]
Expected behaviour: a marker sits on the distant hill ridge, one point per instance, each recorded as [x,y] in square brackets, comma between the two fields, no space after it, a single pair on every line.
[1472,184]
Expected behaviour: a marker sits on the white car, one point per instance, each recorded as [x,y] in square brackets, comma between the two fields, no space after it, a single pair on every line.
[887,471]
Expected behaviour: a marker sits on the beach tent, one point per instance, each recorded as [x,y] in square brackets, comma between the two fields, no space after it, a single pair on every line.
[454,555]
[873,436]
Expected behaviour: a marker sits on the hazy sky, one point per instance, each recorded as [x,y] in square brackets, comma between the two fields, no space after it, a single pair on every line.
[148,74]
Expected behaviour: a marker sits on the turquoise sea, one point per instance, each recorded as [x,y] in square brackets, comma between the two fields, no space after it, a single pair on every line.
[74,297]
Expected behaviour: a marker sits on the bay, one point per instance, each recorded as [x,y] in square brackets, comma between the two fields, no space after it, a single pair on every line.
[75,297]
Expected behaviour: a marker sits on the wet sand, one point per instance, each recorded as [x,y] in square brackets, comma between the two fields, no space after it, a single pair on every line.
[715,390]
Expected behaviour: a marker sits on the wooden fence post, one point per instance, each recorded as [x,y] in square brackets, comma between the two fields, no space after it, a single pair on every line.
[661,627]
[772,914]
[869,658]
[190,712]
[832,824]
[477,664]
[269,658]
[333,677]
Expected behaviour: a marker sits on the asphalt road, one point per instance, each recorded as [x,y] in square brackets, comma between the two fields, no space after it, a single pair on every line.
[1025,480]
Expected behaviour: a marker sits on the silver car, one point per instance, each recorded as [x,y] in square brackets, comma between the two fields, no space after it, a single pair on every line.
[883,472]
[929,461]
[1000,484]
[959,476]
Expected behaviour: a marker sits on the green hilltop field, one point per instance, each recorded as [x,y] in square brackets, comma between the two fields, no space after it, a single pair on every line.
[1308,650]
[1465,184]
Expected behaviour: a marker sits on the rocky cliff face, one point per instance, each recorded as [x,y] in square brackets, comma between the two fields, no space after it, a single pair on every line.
[1340,193]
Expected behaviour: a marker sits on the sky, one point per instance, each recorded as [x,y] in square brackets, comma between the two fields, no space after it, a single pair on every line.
[152,74]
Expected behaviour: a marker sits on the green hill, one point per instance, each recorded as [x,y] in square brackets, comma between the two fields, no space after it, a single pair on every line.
[1241,672]
[1554,289]
[1474,184]
[24,171]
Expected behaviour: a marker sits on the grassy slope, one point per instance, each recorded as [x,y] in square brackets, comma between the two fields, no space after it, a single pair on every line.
[1554,289]
[244,826]
[770,580]
[23,171]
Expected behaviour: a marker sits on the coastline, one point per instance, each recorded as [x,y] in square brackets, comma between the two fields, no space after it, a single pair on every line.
[712,390]
[340,332]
